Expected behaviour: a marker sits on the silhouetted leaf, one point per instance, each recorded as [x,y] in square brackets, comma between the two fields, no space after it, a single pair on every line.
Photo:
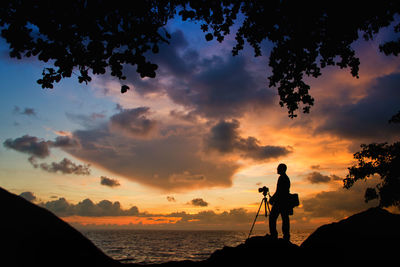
[209,37]
[124,89]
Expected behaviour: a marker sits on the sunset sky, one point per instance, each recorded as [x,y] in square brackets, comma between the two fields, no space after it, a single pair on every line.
[190,148]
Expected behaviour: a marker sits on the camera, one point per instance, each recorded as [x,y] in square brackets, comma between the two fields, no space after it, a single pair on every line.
[264,190]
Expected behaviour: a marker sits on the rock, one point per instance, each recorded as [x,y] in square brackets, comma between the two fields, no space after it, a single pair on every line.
[365,238]
[256,251]
[33,236]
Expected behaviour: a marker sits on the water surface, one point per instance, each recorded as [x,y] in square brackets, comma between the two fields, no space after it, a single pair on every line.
[157,246]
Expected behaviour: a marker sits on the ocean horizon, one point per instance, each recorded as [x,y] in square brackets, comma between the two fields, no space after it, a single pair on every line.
[158,246]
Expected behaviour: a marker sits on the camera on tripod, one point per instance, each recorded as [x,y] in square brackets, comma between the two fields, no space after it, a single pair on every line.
[264,190]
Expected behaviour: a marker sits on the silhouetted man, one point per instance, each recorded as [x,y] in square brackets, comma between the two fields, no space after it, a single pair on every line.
[280,204]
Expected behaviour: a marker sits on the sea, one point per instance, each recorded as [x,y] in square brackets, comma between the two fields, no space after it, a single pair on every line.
[159,246]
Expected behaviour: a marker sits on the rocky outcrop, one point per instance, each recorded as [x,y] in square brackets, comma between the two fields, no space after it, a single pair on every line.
[367,238]
[257,251]
[33,236]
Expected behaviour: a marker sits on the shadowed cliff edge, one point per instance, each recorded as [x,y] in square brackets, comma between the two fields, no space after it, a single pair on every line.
[33,236]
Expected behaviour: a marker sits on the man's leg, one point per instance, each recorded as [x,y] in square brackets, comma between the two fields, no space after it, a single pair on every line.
[273,216]
[285,225]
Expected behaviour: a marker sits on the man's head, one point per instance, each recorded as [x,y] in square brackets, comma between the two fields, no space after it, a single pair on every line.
[282,168]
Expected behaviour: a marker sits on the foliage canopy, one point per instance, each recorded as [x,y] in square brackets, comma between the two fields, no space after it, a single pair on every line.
[382,159]
[94,36]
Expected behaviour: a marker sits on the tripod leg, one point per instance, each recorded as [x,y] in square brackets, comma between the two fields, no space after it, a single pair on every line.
[269,210]
[265,206]
[255,219]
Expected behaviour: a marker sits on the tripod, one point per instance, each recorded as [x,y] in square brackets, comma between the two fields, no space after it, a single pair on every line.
[266,205]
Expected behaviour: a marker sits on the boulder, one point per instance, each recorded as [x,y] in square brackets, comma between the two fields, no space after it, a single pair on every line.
[33,236]
[257,251]
[367,238]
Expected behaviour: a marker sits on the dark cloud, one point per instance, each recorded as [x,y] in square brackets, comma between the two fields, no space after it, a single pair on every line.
[221,89]
[171,199]
[237,216]
[119,107]
[65,141]
[109,181]
[25,111]
[224,137]
[210,86]
[335,178]
[133,122]
[340,202]
[315,167]
[175,60]
[319,178]
[38,147]
[170,161]
[187,177]
[32,160]
[28,196]
[65,166]
[62,207]
[175,158]
[198,202]
[368,118]
[190,116]
[87,121]
[30,145]
[176,57]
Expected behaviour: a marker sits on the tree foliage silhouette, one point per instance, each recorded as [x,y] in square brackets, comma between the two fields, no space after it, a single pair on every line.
[97,35]
[86,35]
[382,159]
